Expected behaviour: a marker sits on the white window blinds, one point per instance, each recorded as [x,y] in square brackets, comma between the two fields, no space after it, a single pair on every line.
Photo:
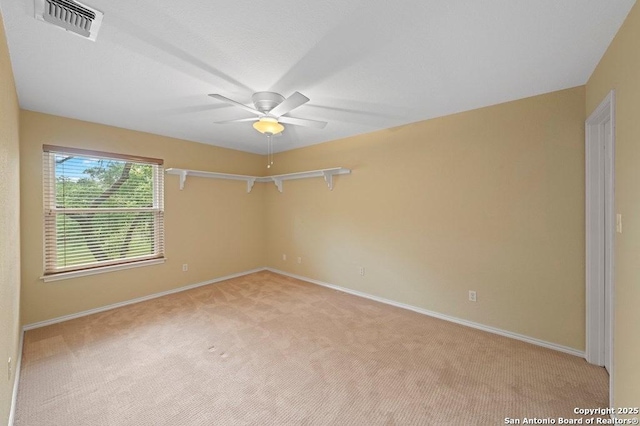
[101,209]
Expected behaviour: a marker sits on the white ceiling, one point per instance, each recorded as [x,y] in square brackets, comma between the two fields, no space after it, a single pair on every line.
[365,64]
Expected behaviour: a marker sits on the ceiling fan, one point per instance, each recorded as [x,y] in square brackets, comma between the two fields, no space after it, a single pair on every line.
[270,109]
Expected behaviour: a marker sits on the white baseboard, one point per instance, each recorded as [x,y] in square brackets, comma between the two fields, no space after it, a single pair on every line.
[16,380]
[467,323]
[460,321]
[136,300]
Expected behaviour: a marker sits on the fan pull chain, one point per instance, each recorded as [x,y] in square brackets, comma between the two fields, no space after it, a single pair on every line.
[269,150]
[271,164]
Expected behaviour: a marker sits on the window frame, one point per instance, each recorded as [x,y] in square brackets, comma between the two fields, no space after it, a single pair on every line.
[50,252]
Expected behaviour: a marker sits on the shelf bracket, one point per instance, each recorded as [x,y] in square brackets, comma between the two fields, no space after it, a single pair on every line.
[278,183]
[183,178]
[250,183]
[328,177]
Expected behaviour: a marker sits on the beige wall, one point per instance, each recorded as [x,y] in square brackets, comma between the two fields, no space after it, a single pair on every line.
[9,228]
[490,200]
[212,225]
[619,69]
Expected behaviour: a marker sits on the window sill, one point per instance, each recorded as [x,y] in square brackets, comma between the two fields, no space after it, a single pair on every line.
[101,270]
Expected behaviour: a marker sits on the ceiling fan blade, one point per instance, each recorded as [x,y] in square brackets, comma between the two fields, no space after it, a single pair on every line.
[238,104]
[291,103]
[303,122]
[238,120]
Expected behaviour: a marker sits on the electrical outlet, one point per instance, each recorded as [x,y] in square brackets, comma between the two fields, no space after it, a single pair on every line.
[472,296]
[185,267]
[284,257]
[9,369]
[299,259]
[362,271]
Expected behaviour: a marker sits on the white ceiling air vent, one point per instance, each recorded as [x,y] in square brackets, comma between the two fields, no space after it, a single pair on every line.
[70,15]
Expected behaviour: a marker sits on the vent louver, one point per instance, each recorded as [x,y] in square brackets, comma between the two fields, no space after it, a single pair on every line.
[70,15]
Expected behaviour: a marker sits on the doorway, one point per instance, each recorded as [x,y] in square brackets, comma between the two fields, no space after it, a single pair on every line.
[601,225]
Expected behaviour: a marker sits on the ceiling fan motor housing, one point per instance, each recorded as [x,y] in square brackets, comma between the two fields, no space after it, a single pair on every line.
[266,101]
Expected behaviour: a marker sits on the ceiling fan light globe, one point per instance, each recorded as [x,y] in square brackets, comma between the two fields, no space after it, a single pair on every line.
[268,125]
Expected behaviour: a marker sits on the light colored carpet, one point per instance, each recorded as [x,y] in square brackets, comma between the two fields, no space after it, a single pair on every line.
[270,350]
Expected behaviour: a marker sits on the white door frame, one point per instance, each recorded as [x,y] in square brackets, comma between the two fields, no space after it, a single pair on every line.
[597,246]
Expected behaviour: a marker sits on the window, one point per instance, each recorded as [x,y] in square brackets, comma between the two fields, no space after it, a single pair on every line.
[100,210]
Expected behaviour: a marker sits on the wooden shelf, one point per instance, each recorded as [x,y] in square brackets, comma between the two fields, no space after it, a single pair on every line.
[327,174]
